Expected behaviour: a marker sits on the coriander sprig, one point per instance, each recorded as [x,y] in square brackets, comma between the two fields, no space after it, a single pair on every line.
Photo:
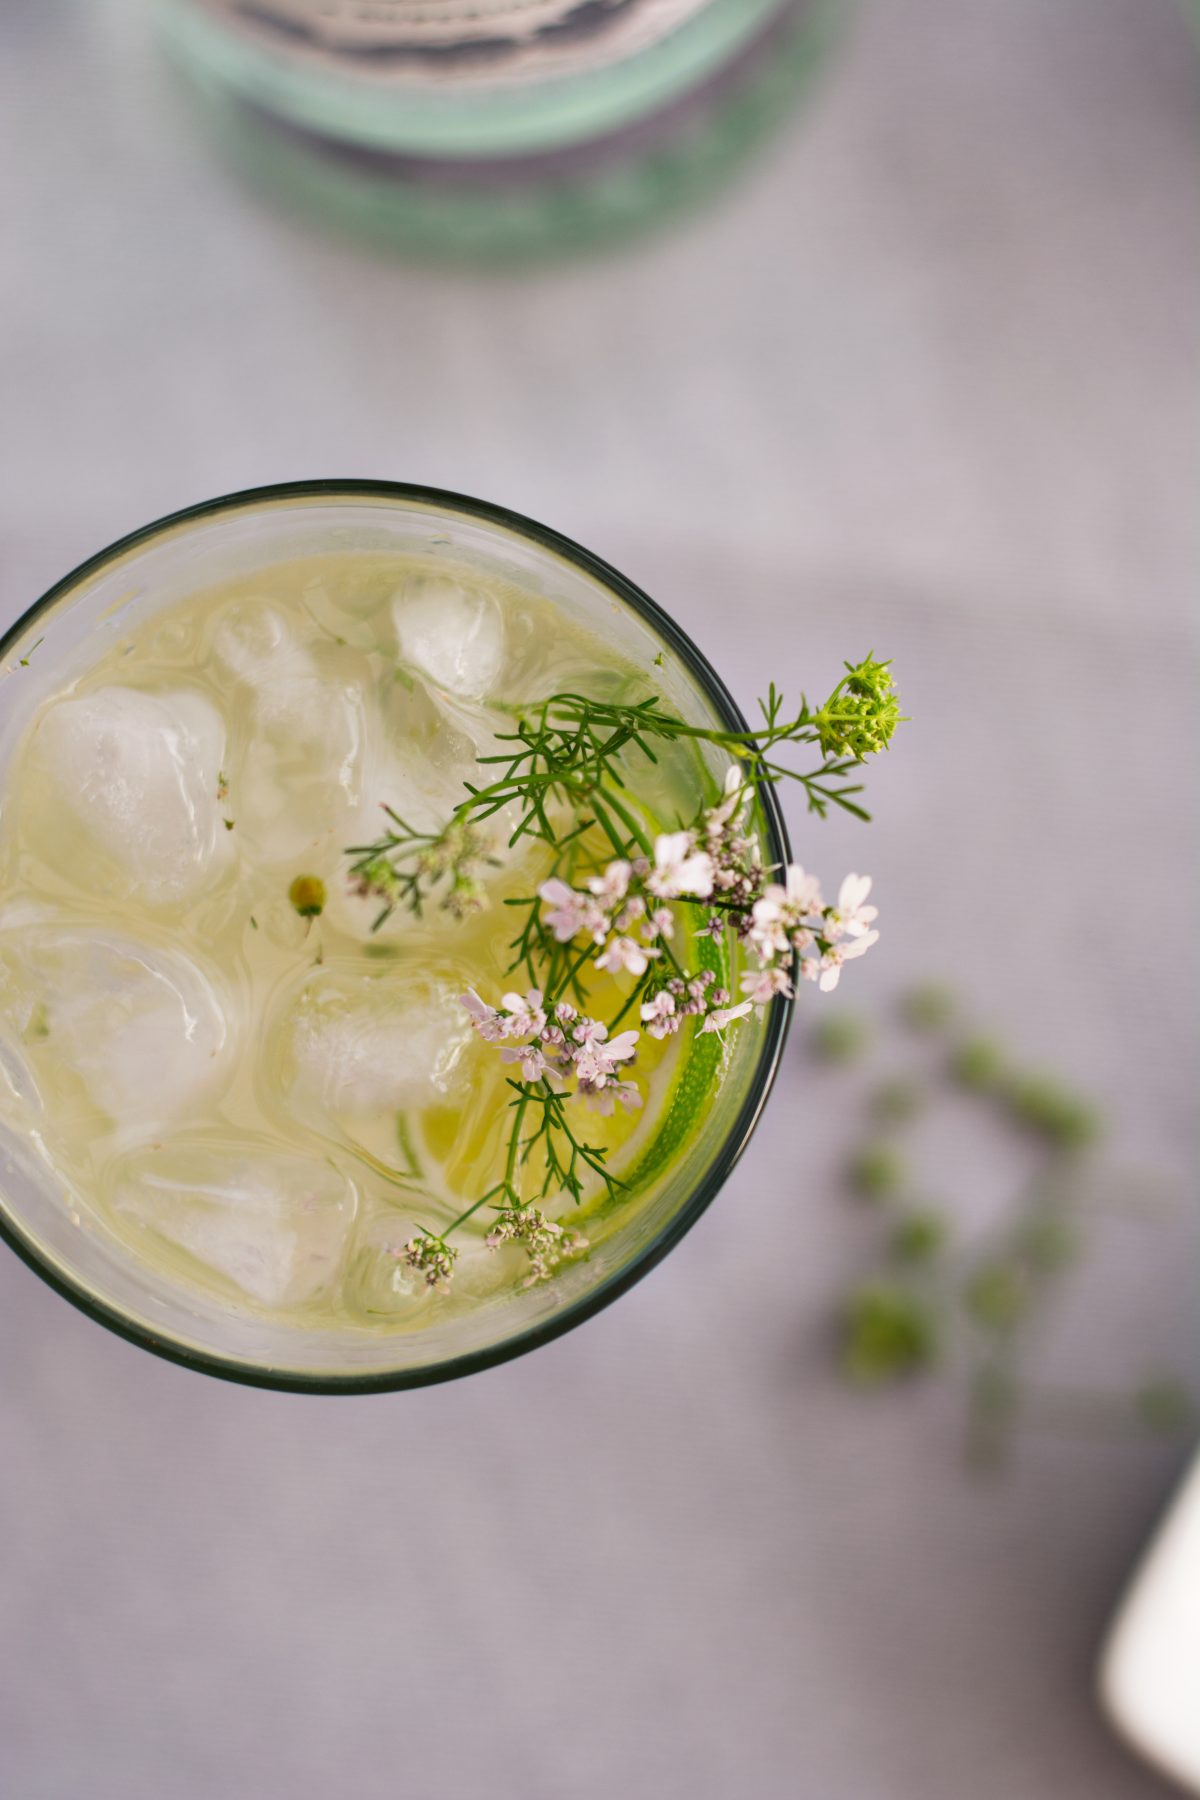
[622,897]
[565,774]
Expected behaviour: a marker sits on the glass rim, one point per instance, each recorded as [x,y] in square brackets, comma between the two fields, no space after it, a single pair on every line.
[249,1374]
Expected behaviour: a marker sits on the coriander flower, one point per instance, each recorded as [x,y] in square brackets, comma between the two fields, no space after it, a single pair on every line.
[571,912]
[587,1032]
[431,1257]
[850,918]
[630,913]
[524,1014]
[596,1062]
[532,1060]
[734,804]
[485,1019]
[661,923]
[659,1016]
[781,910]
[543,1240]
[721,1016]
[625,953]
[760,986]
[614,1093]
[612,886]
[833,958]
[679,868]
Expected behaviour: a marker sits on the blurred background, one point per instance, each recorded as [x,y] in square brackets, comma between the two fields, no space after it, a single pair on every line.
[885,338]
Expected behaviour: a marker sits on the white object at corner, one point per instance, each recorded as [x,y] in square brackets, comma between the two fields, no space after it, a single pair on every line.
[1150,1667]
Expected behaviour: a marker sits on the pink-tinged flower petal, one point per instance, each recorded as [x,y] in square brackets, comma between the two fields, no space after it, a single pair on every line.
[614,1093]
[625,953]
[622,1047]
[762,985]
[533,1063]
[679,868]
[662,1004]
[589,1031]
[850,917]
[570,912]
[525,1017]
[556,893]
[485,1019]
[611,886]
[853,892]
[721,1016]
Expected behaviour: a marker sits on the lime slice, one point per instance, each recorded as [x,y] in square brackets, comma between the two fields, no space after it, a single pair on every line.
[701,1066]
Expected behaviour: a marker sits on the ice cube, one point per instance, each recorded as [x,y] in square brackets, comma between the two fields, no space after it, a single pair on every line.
[256,644]
[422,749]
[451,632]
[272,1223]
[295,778]
[122,792]
[142,1028]
[421,755]
[357,1047]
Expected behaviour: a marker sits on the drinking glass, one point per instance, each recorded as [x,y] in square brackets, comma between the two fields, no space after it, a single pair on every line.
[112,595]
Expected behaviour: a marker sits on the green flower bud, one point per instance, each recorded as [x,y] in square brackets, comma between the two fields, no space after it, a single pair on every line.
[307,895]
[861,714]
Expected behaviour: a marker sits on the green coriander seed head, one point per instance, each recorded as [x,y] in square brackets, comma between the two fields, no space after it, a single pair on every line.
[861,714]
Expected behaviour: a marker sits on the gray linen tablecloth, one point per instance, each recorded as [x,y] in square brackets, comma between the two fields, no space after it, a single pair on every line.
[925,383]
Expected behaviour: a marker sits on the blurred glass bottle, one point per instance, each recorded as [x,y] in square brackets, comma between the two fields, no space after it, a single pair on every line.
[496,129]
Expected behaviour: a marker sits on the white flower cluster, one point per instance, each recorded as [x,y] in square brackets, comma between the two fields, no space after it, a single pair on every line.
[691,996]
[431,1257]
[785,925]
[544,1242]
[790,924]
[557,1046]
